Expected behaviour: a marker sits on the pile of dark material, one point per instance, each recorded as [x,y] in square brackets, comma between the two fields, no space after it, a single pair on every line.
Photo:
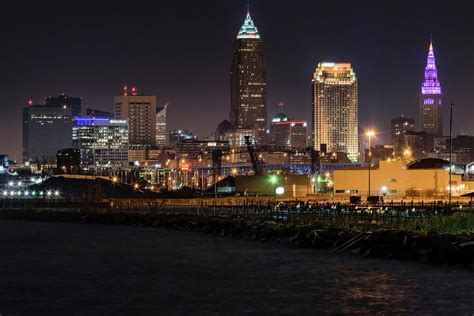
[91,190]
[429,248]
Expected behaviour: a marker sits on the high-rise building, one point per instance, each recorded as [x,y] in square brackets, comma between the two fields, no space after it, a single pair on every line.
[140,113]
[290,134]
[399,127]
[335,109]
[64,101]
[102,142]
[418,143]
[161,131]
[249,81]
[47,128]
[431,99]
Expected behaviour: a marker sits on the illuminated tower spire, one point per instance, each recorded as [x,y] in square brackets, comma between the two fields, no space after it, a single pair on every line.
[248,110]
[248,29]
[431,84]
[431,98]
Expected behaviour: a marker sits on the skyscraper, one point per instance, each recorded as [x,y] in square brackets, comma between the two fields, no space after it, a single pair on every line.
[335,109]
[140,113]
[249,81]
[47,128]
[161,131]
[431,99]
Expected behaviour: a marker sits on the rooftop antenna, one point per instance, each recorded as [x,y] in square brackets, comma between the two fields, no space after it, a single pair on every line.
[248,9]
[281,104]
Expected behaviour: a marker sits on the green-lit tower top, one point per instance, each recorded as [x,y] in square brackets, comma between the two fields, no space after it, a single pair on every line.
[248,29]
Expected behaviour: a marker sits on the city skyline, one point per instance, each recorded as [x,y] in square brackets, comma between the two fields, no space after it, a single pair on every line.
[288,75]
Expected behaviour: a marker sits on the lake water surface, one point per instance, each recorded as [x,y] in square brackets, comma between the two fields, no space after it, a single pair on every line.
[78,269]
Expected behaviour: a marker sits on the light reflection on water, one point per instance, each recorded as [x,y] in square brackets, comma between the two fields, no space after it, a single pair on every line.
[366,291]
[98,269]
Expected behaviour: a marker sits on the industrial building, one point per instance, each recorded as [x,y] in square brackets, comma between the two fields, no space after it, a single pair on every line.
[397,179]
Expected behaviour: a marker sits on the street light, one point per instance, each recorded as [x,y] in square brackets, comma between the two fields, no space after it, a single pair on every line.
[369,135]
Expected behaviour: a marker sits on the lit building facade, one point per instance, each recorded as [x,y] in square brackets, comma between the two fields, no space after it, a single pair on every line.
[399,127]
[335,109]
[197,152]
[46,129]
[393,178]
[249,82]
[161,130]
[102,142]
[181,134]
[140,113]
[292,134]
[431,99]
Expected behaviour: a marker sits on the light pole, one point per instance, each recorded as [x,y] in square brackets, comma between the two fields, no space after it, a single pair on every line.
[450,154]
[369,135]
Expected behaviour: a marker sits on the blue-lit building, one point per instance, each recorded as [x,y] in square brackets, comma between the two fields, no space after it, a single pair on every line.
[103,142]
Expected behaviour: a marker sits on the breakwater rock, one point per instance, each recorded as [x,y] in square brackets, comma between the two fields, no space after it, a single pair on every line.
[388,244]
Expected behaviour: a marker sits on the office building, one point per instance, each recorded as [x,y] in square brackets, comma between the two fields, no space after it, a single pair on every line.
[64,101]
[291,134]
[140,113]
[431,99]
[193,152]
[99,113]
[4,164]
[102,142]
[221,129]
[47,128]
[68,161]
[401,125]
[181,134]
[249,82]
[378,153]
[335,109]
[161,130]
[417,143]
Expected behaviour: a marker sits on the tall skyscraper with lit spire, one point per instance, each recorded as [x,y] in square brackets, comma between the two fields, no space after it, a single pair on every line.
[249,81]
[431,99]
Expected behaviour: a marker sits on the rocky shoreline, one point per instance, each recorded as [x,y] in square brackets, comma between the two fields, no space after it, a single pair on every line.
[389,244]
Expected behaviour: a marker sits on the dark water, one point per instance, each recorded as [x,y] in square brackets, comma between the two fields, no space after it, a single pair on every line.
[64,269]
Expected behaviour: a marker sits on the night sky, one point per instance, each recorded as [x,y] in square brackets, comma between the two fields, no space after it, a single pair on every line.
[181,51]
